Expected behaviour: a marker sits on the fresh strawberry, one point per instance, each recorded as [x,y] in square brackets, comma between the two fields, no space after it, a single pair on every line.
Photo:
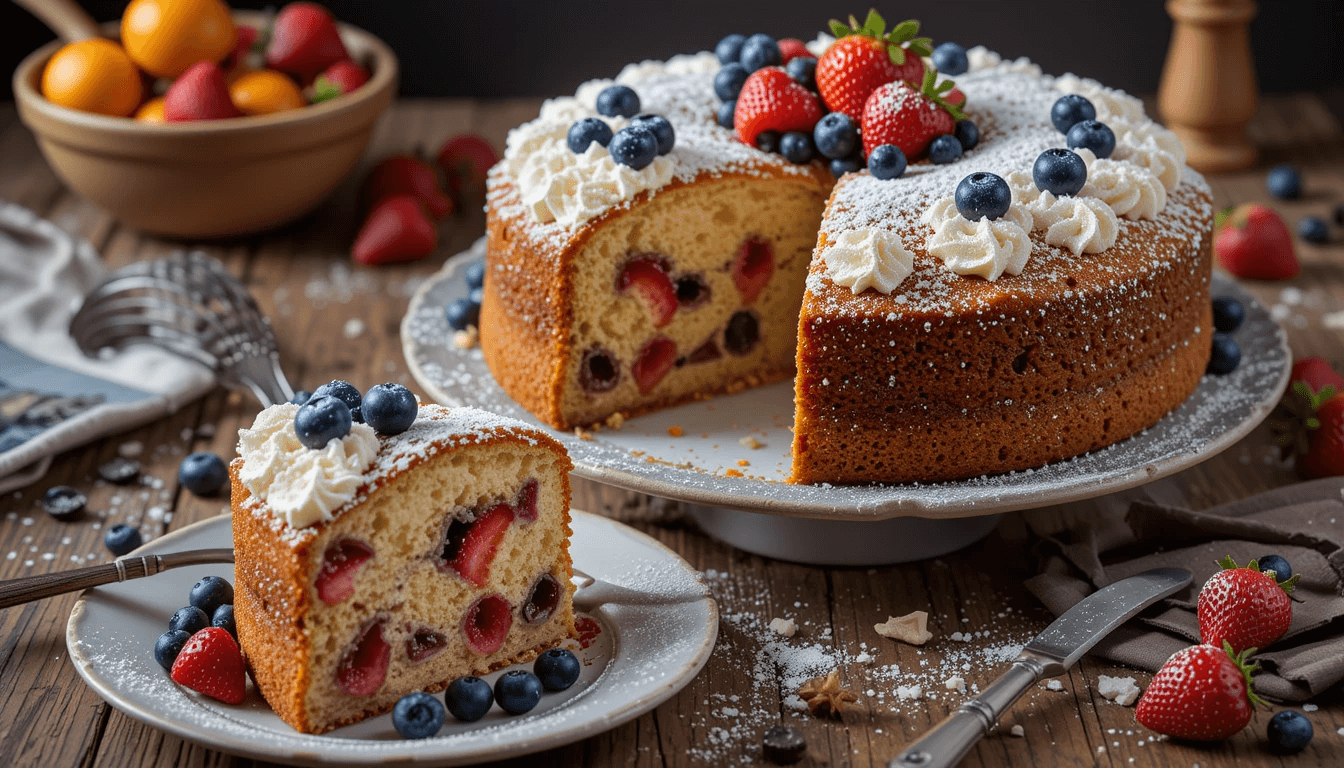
[792,48]
[200,93]
[910,119]
[337,80]
[396,230]
[1244,607]
[1251,241]
[480,544]
[650,282]
[770,100]
[1202,693]
[465,159]
[336,579]
[1325,457]
[955,97]
[1317,374]
[211,664]
[752,268]
[863,58]
[486,624]
[304,41]
[655,360]
[406,175]
[364,667]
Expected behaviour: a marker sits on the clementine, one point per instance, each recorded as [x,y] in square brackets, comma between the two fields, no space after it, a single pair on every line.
[264,91]
[151,111]
[93,76]
[165,37]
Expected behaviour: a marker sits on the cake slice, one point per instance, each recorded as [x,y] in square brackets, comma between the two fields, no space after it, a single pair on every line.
[377,566]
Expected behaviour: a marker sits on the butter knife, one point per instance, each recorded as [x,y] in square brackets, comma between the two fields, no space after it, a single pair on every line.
[1049,654]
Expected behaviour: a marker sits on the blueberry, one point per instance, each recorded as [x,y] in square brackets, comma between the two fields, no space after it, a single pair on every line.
[783,745]
[211,592]
[300,397]
[726,110]
[1225,357]
[742,333]
[203,474]
[121,539]
[474,274]
[635,146]
[517,691]
[119,470]
[322,420]
[461,313]
[584,132]
[189,619]
[1092,135]
[1313,230]
[950,59]
[223,618]
[796,147]
[968,133]
[168,646]
[803,70]
[63,502]
[1071,110]
[886,162]
[760,51]
[1059,172]
[844,165]
[469,698]
[729,49]
[1284,182]
[476,295]
[662,130]
[767,141]
[389,408]
[1282,570]
[1289,732]
[340,389]
[836,135]
[1228,314]
[945,149]
[417,715]
[557,669]
[983,195]
[728,82]
[357,415]
[618,101]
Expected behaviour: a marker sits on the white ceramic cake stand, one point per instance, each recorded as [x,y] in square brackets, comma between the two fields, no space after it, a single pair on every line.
[844,525]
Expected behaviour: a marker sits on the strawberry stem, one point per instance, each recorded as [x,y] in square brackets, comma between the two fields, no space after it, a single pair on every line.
[935,93]
[1246,669]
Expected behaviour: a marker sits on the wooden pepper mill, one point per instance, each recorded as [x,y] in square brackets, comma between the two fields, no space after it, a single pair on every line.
[1208,91]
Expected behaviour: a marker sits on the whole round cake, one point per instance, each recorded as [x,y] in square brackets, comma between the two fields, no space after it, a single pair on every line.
[1021,273]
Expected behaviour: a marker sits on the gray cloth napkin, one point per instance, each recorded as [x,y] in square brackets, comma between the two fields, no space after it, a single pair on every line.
[1304,523]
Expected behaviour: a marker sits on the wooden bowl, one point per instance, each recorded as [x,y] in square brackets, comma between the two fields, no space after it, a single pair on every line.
[212,178]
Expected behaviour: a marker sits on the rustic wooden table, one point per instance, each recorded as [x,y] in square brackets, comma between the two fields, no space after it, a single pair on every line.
[335,321]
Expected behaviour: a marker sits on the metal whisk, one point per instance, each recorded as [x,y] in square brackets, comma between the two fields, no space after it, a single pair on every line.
[187,303]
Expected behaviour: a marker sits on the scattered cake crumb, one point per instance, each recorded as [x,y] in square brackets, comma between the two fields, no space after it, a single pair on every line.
[785,627]
[1017,731]
[582,433]
[1309,707]
[909,692]
[955,683]
[466,339]
[911,628]
[615,420]
[675,431]
[863,658]
[732,473]
[743,463]
[825,696]
[1122,690]
[1055,685]
[751,443]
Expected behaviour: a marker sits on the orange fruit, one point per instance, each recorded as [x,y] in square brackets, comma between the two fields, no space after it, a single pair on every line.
[93,76]
[165,37]
[151,111]
[264,91]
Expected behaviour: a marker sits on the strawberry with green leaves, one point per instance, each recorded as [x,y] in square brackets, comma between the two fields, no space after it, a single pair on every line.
[909,118]
[1244,607]
[1308,423]
[1251,241]
[864,58]
[1201,693]
[770,100]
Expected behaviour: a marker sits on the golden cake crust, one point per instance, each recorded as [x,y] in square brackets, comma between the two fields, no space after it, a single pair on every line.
[274,567]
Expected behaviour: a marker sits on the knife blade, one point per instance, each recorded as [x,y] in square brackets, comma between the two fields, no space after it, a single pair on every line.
[1049,654]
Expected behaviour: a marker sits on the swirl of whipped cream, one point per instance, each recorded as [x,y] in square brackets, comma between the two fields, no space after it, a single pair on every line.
[302,485]
[1111,104]
[983,248]
[945,210]
[860,259]
[980,58]
[1153,147]
[1130,190]
[681,64]
[1081,224]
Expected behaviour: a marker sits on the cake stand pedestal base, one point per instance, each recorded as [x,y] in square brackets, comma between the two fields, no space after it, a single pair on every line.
[841,542]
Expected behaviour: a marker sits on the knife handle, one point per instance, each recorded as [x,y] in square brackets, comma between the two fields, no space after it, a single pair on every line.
[948,743]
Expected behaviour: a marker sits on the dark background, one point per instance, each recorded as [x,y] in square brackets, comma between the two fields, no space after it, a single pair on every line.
[498,48]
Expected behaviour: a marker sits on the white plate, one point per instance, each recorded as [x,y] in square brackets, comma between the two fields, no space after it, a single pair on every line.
[644,655]
[691,468]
